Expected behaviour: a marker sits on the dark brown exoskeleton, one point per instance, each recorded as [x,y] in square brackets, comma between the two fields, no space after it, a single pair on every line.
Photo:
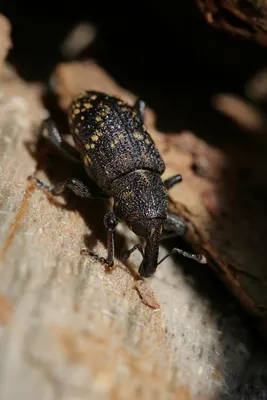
[121,157]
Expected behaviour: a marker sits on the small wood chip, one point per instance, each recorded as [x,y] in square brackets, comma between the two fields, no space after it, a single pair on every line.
[146,295]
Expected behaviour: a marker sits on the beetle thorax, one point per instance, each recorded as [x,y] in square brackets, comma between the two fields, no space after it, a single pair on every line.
[138,196]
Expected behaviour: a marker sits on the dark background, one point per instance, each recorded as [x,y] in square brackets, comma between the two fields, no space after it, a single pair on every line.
[166,53]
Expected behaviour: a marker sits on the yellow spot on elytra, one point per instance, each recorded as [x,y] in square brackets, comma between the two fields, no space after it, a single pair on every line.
[92,146]
[161,229]
[86,160]
[99,133]
[78,104]
[103,113]
[76,111]
[87,105]
[81,95]
[112,145]
[82,117]
[120,102]
[124,109]
[134,113]
[95,138]
[121,136]
[83,109]
[143,126]
[76,131]
[138,135]
[87,146]
[94,97]
[147,141]
[98,119]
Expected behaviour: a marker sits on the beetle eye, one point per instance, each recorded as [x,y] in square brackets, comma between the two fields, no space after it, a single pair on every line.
[141,228]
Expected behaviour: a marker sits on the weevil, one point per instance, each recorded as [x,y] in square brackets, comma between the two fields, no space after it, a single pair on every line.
[120,156]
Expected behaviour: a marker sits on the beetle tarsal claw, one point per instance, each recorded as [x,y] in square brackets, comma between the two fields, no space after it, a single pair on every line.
[38,183]
[94,256]
[202,259]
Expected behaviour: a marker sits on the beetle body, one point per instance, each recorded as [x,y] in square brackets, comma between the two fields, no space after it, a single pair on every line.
[120,156]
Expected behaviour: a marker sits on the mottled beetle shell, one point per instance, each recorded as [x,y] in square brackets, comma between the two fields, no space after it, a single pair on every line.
[111,138]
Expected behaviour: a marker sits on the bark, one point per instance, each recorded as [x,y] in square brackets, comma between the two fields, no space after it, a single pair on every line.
[245,18]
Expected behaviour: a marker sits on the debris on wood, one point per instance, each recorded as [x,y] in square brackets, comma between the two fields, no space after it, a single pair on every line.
[146,294]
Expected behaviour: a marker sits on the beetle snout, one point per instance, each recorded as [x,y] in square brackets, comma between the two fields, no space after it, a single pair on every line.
[150,260]
[146,271]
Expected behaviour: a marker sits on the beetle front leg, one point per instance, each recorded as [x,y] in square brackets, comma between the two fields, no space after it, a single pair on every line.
[173,180]
[49,130]
[126,254]
[110,222]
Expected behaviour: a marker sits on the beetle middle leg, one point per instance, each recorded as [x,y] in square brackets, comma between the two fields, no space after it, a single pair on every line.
[110,222]
[173,226]
[173,180]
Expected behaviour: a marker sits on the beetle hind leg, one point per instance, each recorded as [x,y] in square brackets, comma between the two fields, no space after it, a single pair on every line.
[74,184]
[140,107]
[49,130]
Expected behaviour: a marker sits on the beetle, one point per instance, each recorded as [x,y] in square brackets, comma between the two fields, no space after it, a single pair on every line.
[119,155]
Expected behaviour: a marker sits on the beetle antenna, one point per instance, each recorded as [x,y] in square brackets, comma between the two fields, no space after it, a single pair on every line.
[197,257]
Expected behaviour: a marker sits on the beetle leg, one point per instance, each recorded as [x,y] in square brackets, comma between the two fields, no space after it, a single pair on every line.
[76,186]
[197,257]
[110,222]
[173,226]
[126,254]
[139,107]
[173,180]
[49,130]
